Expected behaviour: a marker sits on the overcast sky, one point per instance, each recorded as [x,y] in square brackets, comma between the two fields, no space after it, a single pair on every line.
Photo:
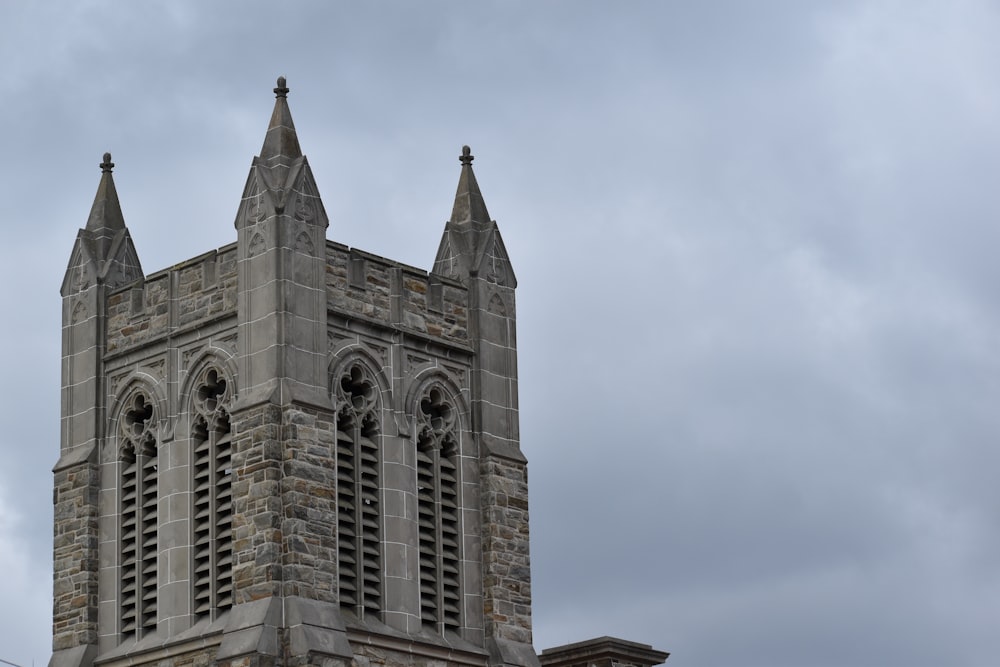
[758,306]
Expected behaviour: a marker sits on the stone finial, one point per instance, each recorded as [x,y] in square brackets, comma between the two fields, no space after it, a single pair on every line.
[466,157]
[282,89]
[107,165]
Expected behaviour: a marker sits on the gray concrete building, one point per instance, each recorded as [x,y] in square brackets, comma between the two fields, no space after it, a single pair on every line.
[289,452]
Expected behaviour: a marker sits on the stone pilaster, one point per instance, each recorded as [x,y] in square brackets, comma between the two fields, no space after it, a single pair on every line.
[281,240]
[76,483]
[472,251]
[284,486]
[506,563]
[74,604]
[257,511]
[103,259]
[503,468]
[309,502]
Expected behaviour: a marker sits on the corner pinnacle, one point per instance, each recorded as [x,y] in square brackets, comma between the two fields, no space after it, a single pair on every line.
[280,139]
[105,219]
[469,205]
[282,89]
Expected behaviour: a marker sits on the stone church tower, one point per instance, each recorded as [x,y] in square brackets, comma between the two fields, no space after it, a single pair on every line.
[286,451]
[289,452]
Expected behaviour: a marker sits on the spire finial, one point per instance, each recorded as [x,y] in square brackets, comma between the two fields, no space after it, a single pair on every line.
[467,157]
[282,89]
[107,165]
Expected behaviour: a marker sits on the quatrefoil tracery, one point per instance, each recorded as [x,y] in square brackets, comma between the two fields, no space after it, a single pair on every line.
[138,417]
[357,394]
[137,425]
[212,392]
[438,418]
[436,411]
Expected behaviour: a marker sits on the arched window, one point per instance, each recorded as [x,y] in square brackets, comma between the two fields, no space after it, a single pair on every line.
[359,547]
[212,513]
[139,521]
[439,513]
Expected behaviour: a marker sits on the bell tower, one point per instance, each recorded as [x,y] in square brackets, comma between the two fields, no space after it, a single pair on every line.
[289,452]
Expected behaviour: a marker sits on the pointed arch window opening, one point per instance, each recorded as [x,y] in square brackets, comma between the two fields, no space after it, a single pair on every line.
[138,499]
[359,520]
[211,512]
[439,514]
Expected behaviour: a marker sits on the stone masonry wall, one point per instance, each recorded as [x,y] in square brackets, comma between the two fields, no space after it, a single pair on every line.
[506,564]
[75,589]
[309,500]
[380,290]
[257,510]
[182,296]
[358,284]
[284,504]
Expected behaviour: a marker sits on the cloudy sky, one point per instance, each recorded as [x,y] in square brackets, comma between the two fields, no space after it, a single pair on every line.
[759,318]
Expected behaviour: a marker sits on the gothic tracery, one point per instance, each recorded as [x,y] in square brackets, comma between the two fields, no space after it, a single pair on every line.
[211,465]
[438,512]
[138,511]
[358,488]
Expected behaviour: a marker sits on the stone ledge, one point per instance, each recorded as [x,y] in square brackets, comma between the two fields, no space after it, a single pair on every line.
[452,648]
[78,656]
[510,653]
[252,629]
[508,451]
[152,649]
[76,456]
[315,629]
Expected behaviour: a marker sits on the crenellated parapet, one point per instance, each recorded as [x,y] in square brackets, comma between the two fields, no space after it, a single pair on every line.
[396,296]
[183,298]
[198,292]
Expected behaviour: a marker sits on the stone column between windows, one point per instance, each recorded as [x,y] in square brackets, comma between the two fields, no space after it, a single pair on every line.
[399,516]
[174,563]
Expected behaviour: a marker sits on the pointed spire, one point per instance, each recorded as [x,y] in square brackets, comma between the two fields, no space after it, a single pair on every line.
[280,175]
[471,238]
[469,203]
[106,217]
[103,252]
[280,140]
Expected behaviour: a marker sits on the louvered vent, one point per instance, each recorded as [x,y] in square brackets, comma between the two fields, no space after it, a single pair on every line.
[439,516]
[139,521]
[359,544]
[148,548]
[129,541]
[347,523]
[427,516]
[224,517]
[212,547]
[450,536]
[202,557]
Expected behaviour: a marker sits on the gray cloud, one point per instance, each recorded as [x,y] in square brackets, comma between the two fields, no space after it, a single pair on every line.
[758,323]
